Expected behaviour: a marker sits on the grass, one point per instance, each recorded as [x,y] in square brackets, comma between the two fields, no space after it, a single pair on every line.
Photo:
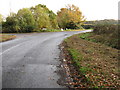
[85,35]
[107,34]
[5,37]
[58,30]
[84,70]
[106,39]
[95,64]
[50,30]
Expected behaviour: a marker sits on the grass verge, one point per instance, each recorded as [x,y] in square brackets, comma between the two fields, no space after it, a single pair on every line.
[58,30]
[95,65]
[5,37]
[106,39]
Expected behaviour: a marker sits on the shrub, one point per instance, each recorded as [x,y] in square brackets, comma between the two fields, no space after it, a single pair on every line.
[88,26]
[105,29]
[29,28]
[109,34]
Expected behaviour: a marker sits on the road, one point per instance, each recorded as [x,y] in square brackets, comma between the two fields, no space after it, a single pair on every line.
[31,60]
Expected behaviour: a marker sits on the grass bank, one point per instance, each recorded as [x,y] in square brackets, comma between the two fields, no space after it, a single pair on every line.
[5,37]
[92,60]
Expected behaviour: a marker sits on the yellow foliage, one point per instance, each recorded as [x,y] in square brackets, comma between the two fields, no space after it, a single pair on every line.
[69,14]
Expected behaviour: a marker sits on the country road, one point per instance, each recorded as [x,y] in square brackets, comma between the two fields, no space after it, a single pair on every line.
[31,60]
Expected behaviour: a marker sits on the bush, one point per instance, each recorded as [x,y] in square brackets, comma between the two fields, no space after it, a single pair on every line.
[88,26]
[0,28]
[109,34]
[29,28]
[105,29]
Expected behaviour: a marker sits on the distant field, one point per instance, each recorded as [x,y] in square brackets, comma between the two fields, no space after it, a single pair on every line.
[5,37]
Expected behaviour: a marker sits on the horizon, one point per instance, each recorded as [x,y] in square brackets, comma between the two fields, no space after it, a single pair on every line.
[92,11]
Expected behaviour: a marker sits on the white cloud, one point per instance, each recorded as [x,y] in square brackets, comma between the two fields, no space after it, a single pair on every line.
[92,9]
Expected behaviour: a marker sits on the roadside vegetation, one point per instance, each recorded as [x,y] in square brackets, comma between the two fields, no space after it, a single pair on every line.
[40,19]
[93,57]
[4,37]
[104,34]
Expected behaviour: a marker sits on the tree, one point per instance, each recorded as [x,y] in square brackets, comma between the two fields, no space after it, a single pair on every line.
[23,21]
[62,17]
[70,17]
[31,19]
[40,16]
[53,20]
[44,17]
[26,20]
[11,24]
[1,19]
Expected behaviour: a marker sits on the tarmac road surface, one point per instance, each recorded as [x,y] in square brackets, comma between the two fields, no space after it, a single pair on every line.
[31,60]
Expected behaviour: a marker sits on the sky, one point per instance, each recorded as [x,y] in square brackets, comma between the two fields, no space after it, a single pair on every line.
[91,9]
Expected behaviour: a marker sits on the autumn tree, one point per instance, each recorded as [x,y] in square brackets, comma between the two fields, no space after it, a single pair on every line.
[70,17]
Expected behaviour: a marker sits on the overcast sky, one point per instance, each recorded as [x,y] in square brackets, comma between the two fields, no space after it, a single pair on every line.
[91,9]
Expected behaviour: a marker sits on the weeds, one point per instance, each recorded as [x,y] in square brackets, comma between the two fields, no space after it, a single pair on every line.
[4,37]
[85,35]
[84,70]
[75,55]
[104,34]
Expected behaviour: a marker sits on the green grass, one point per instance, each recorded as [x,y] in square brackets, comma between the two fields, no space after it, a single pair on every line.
[85,35]
[58,30]
[106,39]
[52,30]
[48,30]
[77,58]
[83,70]
[75,55]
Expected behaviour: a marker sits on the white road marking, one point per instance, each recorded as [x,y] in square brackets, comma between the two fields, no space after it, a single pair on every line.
[10,49]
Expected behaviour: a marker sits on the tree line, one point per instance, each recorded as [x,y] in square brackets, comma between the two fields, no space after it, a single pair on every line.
[40,18]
